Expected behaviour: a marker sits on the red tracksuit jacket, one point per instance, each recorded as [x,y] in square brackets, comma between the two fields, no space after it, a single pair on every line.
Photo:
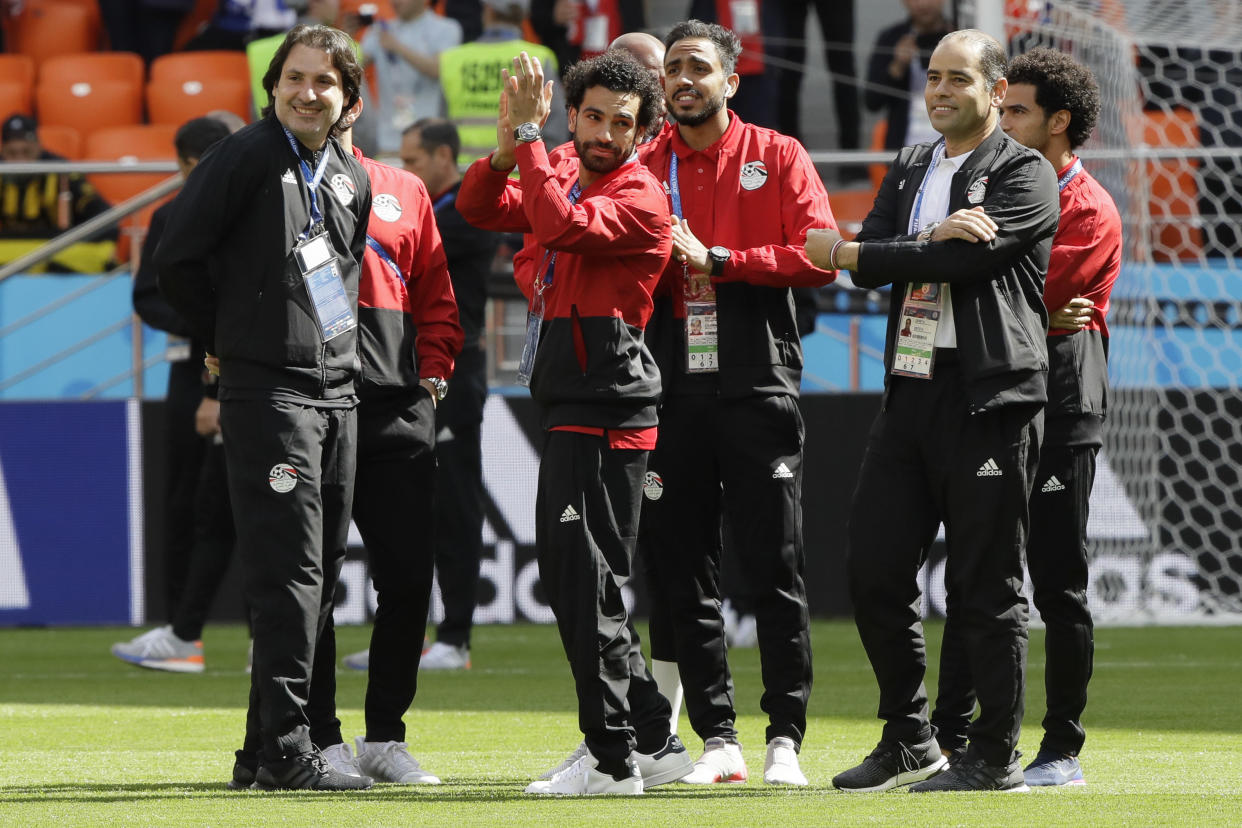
[408,327]
[592,367]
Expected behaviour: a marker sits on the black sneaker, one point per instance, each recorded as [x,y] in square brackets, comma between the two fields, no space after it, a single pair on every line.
[973,773]
[244,768]
[891,765]
[306,771]
[958,754]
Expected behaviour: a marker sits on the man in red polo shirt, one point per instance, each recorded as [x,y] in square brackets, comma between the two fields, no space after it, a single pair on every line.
[1052,106]
[731,434]
[597,239]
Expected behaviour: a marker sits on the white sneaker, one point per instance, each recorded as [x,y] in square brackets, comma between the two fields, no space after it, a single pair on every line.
[721,762]
[391,762]
[668,764]
[341,758]
[582,779]
[161,649]
[443,656]
[780,767]
[579,752]
[358,661]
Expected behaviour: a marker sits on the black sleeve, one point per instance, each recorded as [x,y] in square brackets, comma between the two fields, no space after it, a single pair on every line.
[1022,198]
[148,302]
[552,34]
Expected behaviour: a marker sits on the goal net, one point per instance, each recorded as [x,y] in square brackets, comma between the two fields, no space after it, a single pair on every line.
[1166,528]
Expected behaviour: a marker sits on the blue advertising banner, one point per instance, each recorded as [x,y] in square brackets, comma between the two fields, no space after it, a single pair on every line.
[70,513]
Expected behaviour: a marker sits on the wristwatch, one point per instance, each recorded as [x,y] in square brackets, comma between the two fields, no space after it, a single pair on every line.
[926,234]
[527,132]
[718,256]
[441,387]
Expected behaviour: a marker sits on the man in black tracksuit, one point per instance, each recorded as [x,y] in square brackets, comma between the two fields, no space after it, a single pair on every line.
[262,257]
[957,439]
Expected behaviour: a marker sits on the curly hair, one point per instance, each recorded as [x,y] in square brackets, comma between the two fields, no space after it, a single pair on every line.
[617,71]
[727,44]
[1061,83]
[333,41]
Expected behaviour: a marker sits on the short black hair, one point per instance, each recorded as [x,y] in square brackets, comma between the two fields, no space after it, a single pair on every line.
[1061,83]
[992,60]
[336,43]
[436,132]
[196,135]
[727,43]
[617,71]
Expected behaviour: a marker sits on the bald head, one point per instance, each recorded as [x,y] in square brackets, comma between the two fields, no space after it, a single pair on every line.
[647,49]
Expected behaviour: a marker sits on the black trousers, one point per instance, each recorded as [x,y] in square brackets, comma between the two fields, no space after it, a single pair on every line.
[586,527]
[213,544]
[742,458]
[1056,558]
[458,537]
[836,24]
[291,481]
[931,460]
[184,450]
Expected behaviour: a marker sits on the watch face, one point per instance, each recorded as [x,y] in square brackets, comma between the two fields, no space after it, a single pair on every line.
[527,132]
[719,253]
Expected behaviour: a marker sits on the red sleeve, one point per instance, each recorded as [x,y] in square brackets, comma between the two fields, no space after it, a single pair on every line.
[433,307]
[804,205]
[623,221]
[1086,256]
[491,200]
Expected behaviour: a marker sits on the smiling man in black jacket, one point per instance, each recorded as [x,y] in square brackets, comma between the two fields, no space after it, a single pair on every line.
[261,256]
[962,228]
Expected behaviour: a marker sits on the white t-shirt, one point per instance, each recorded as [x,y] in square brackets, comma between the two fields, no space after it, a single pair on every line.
[935,207]
[405,94]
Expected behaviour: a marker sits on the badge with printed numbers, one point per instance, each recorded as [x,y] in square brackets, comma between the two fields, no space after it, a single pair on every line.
[915,349]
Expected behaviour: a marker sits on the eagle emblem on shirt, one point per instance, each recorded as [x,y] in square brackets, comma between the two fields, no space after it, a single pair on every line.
[977,191]
[386,207]
[344,188]
[754,175]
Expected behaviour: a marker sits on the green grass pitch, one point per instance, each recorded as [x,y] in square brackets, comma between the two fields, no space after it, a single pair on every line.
[88,740]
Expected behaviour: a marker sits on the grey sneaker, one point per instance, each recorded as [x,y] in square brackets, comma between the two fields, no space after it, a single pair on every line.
[392,762]
[358,661]
[974,773]
[891,765]
[306,771]
[342,758]
[443,656]
[1053,768]
[668,764]
[579,752]
[161,649]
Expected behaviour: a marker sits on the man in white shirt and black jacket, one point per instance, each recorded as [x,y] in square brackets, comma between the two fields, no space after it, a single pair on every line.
[962,228]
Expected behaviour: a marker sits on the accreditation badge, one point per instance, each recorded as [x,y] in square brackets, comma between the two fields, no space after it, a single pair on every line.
[702,353]
[323,280]
[915,348]
[534,323]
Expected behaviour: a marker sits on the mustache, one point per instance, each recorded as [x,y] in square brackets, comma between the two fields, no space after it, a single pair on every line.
[590,145]
[681,91]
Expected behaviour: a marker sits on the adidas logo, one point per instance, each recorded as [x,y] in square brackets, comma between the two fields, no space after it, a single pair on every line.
[989,469]
[1053,485]
[782,471]
[287,177]
[569,515]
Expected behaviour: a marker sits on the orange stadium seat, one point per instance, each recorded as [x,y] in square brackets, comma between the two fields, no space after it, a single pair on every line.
[15,98]
[850,207]
[94,66]
[143,142]
[201,66]
[878,171]
[1172,190]
[18,69]
[89,105]
[175,102]
[47,29]
[62,140]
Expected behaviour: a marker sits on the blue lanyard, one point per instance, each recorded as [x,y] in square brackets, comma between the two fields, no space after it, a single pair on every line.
[1070,175]
[312,181]
[937,154]
[674,191]
[574,194]
[443,200]
[383,254]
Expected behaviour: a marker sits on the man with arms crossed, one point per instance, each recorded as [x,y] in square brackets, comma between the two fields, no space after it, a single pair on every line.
[962,228]
[1051,106]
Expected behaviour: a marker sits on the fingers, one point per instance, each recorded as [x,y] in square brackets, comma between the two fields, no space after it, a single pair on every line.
[972,225]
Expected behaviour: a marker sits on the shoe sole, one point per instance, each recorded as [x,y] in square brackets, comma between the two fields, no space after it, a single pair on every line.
[165,665]
[732,779]
[901,779]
